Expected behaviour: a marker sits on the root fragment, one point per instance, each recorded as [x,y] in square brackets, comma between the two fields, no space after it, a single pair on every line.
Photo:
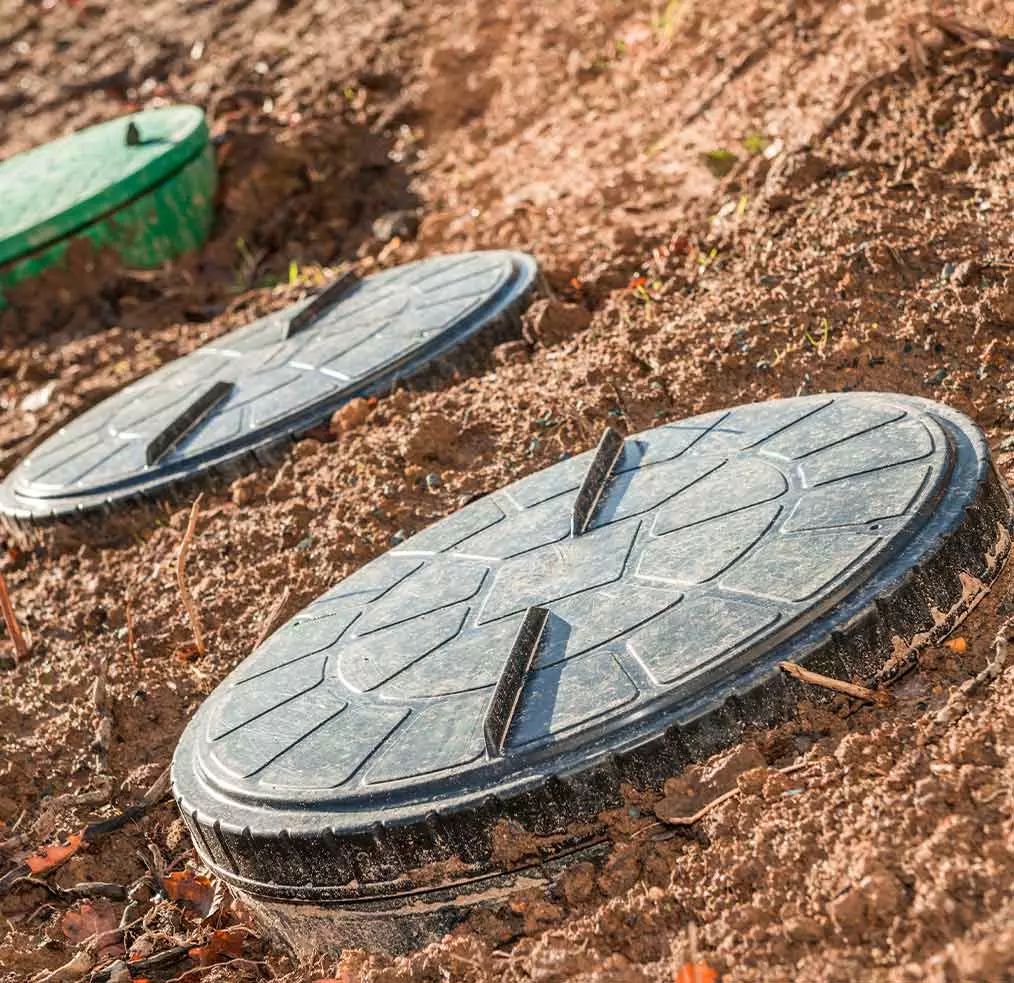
[973,37]
[272,619]
[21,647]
[131,639]
[879,697]
[696,817]
[181,578]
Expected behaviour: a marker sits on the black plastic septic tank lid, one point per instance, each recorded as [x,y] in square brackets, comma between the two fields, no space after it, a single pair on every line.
[233,403]
[604,621]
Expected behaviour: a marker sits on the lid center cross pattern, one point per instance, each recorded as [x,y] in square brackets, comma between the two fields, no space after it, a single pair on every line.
[556,629]
[266,383]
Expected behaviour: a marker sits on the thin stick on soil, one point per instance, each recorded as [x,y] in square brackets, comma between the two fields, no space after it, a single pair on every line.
[766,31]
[696,817]
[20,645]
[181,577]
[837,685]
[139,966]
[973,37]
[272,619]
[856,95]
[131,640]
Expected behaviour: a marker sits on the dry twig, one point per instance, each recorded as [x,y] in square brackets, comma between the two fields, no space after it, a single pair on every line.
[713,804]
[272,619]
[973,37]
[703,811]
[13,630]
[879,697]
[86,889]
[181,577]
[766,30]
[78,967]
[139,967]
[131,641]
[159,790]
[859,92]
[100,703]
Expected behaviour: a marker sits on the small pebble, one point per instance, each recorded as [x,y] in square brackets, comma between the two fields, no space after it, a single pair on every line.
[391,225]
[964,272]
[985,123]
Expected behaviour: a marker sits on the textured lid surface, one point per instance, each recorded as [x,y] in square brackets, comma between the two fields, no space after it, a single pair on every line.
[577,613]
[265,382]
[51,191]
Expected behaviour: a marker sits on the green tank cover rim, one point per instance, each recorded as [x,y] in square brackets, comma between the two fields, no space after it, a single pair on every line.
[49,193]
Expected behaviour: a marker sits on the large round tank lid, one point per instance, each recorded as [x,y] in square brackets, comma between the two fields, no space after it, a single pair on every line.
[602,621]
[242,395]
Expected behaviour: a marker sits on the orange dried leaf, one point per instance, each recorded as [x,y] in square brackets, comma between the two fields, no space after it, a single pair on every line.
[223,944]
[698,972]
[194,892]
[187,652]
[957,645]
[52,856]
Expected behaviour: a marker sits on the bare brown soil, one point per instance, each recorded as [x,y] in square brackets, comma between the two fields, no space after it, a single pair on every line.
[732,202]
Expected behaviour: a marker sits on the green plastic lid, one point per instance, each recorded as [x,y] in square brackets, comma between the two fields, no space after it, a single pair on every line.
[48,193]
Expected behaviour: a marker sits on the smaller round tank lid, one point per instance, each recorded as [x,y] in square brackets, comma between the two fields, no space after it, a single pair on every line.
[578,614]
[266,382]
[48,193]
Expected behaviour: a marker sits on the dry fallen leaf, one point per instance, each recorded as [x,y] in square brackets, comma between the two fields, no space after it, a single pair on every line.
[194,892]
[223,944]
[187,652]
[88,919]
[95,920]
[52,856]
[696,972]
